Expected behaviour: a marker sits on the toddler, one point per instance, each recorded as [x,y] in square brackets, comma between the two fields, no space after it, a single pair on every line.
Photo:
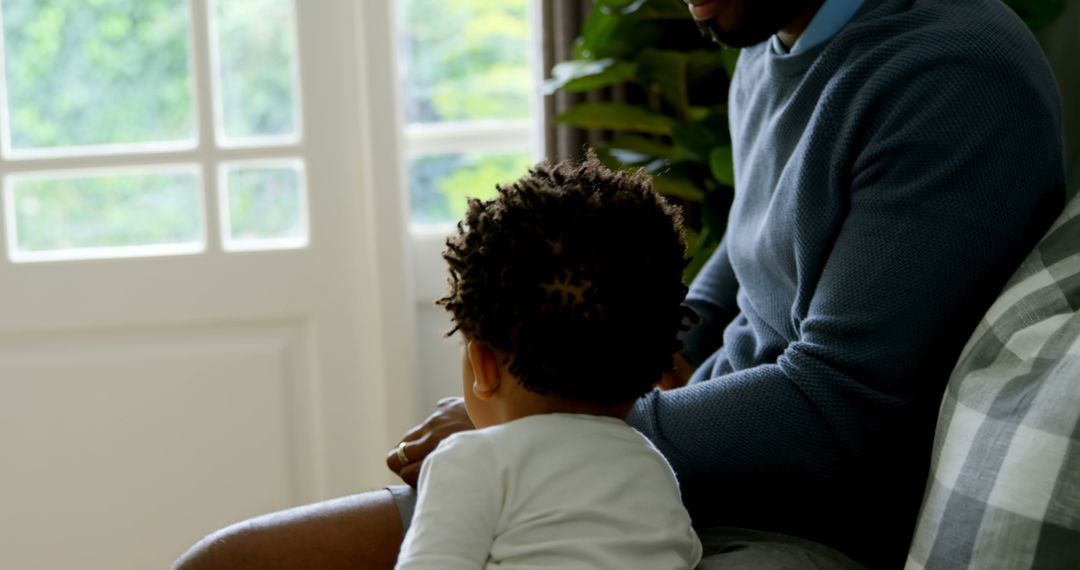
[566,290]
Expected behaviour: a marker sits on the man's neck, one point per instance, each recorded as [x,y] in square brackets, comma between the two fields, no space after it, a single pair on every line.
[790,34]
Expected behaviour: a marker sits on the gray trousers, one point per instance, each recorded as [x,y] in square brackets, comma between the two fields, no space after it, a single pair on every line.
[723,548]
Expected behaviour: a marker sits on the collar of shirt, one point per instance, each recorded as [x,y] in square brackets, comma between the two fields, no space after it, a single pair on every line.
[832,16]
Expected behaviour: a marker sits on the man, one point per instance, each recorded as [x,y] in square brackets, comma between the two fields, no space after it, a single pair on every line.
[894,160]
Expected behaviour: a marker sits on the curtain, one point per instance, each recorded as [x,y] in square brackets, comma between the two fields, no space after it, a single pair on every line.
[560,25]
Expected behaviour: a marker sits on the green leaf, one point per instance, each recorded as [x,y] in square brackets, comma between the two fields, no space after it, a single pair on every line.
[650,9]
[696,138]
[628,161]
[677,188]
[722,165]
[665,71]
[699,138]
[651,147]
[714,213]
[1038,13]
[629,157]
[597,31]
[697,113]
[620,7]
[618,117]
[622,28]
[731,57]
[603,154]
[701,248]
[704,65]
[585,75]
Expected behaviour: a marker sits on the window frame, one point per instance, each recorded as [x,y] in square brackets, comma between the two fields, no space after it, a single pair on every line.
[205,152]
[427,240]
[450,137]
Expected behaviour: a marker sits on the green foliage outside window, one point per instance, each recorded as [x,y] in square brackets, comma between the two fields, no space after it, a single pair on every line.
[265,203]
[92,72]
[450,179]
[106,72]
[85,72]
[112,210]
[256,59]
[463,60]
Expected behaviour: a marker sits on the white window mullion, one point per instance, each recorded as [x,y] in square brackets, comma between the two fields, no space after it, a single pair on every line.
[451,137]
[204,113]
[146,159]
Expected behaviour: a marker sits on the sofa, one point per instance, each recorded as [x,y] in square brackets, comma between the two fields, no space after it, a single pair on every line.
[1004,483]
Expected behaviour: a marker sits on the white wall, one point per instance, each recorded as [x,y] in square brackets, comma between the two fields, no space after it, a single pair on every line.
[439,358]
[440,365]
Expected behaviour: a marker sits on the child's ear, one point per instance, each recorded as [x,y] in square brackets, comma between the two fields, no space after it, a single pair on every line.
[485,366]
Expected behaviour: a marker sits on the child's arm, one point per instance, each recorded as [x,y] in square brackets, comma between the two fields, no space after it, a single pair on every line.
[457,508]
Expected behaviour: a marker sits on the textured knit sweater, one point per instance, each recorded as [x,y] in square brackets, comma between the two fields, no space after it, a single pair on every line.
[888,181]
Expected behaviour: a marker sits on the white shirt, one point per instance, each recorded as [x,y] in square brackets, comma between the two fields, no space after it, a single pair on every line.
[559,491]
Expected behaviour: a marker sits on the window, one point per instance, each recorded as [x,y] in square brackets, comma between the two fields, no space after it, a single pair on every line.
[467,70]
[123,122]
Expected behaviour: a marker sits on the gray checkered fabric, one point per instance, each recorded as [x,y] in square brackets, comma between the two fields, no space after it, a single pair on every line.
[1004,490]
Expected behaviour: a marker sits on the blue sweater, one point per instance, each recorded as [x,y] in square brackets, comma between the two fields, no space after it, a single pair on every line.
[888,182]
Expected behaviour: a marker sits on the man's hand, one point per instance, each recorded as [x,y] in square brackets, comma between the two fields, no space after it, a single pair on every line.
[448,418]
[679,376]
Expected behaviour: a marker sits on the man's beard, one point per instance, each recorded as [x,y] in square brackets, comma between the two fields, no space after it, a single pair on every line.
[758,20]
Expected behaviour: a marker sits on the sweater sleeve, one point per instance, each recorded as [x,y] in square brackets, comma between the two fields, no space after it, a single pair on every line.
[959,169]
[712,296]
[456,509]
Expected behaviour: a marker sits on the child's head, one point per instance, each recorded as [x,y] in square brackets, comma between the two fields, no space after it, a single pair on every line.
[567,288]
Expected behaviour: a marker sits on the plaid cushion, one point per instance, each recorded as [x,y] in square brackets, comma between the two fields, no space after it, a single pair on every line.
[1004,490]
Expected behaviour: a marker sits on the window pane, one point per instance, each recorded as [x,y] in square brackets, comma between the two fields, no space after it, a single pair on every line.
[256,60]
[441,184]
[90,73]
[264,206]
[111,214]
[465,59]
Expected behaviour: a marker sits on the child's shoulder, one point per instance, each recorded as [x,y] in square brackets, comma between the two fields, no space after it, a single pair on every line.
[466,441]
[464,450]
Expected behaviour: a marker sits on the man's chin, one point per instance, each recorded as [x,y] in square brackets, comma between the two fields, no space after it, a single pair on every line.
[736,39]
[743,23]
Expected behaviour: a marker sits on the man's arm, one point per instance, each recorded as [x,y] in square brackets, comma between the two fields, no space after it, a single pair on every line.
[919,257]
[359,532]
[712,296]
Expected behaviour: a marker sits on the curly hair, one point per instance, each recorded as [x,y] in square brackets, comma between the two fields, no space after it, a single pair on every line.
[575,272]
